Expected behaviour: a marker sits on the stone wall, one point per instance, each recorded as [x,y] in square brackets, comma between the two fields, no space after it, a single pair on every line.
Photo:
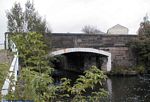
[121,56]
[117,45]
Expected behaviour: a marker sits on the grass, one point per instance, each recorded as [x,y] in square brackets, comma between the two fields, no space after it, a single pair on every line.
[4,66]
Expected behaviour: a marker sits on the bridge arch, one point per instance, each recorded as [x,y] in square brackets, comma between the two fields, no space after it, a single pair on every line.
[88,50]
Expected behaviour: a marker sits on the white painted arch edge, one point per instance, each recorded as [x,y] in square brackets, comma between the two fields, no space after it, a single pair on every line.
[91,50]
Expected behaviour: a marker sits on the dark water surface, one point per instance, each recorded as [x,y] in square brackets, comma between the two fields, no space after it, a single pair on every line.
[124,89]
[129,89]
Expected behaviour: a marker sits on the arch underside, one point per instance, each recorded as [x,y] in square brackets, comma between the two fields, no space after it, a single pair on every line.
[86,50]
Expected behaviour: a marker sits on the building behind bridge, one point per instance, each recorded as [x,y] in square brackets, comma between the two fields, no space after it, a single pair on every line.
[118,29]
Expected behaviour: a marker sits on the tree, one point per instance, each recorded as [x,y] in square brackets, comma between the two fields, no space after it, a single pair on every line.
[141,45]
[91,30]
[36,82]
[35,73]
[25,21]
[15,19]
[32,20]
[32,49]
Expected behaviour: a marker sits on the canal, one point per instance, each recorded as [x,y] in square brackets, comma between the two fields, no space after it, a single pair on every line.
[124,89]
[129,89]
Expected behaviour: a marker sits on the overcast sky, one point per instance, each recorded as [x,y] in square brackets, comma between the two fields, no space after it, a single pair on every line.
[72,15]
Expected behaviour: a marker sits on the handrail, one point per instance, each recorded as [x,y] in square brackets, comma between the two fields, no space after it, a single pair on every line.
[13,70]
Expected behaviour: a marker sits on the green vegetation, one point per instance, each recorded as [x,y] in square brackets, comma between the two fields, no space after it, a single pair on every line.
[127,71]
[41,87]
[3,72]
[141,45]
[4,67]
[140,69]
[32,49]
[35,78]
[25,21]
[36,82]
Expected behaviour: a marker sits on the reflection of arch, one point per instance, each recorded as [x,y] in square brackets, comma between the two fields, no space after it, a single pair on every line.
[89,50]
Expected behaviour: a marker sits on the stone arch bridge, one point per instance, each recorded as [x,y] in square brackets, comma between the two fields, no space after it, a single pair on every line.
[82,54]
[83,50]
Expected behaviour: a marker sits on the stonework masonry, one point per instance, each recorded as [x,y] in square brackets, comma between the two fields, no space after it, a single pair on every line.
[117,45]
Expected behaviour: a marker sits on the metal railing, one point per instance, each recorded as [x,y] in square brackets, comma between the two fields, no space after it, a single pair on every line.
[13,71]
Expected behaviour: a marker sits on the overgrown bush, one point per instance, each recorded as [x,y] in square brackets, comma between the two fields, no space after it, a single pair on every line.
[139,69]
[128,71]
[35,78]
[40,87]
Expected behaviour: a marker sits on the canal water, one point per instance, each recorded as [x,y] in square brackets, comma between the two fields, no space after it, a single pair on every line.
[129,89]
[125,89]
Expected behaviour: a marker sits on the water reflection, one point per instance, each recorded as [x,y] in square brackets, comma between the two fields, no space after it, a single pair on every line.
[121,89]
[128,89]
